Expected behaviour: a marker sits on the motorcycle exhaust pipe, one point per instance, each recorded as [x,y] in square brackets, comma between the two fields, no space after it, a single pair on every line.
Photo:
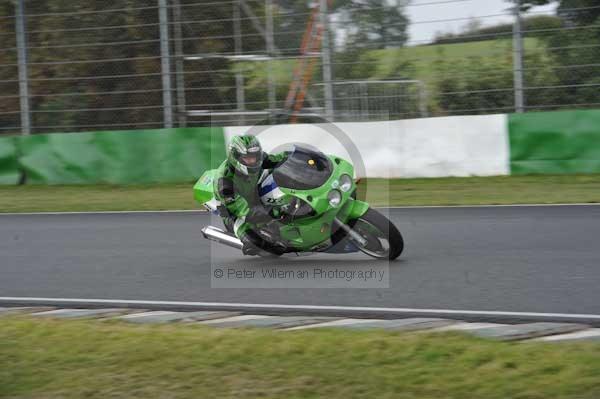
[222,237]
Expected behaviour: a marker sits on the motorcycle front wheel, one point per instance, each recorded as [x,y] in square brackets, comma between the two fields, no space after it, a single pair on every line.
[383,240]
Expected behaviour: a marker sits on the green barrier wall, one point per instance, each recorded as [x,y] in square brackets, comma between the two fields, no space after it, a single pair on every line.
[555,142]
[9,167]
[121,157]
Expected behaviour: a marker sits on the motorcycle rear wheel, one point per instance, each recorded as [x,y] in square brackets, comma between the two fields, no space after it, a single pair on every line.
[384,241]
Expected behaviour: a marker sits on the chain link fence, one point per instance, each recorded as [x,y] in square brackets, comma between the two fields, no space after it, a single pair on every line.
[131,64]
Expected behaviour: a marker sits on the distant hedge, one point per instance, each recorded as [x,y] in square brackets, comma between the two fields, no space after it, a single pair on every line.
[532,26]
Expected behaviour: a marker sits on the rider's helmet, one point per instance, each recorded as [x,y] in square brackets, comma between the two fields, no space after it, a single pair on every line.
[245,154]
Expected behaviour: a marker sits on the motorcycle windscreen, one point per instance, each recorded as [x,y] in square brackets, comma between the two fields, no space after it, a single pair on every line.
[304,169]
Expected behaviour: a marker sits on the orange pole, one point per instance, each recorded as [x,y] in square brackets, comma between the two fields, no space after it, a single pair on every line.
[300,64]
[299,103]
[299,85]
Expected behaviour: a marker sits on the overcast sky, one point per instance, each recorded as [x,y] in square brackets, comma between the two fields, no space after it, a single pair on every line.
[419,12]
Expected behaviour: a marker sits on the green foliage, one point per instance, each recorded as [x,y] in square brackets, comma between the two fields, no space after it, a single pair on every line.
[574,52]
[576,56]
[51,46]
[370,48]
[80,76]
[366,23]
[433,64]
[579,12]
[9,89]
[374,24]
[376,64]
[76,71]
[562,71]
[483,85]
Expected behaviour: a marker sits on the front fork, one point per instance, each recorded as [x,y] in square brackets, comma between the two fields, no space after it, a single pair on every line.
[352,210]
[353,235]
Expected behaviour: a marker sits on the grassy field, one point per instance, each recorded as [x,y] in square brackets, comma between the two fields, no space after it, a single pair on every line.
[423,57]
[95,359]
[428,64]
[386,62]
[397,192]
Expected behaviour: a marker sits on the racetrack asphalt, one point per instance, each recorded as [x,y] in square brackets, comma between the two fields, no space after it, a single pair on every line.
[516,259]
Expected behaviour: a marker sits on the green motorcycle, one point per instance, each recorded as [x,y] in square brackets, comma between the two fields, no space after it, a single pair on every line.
[311,198]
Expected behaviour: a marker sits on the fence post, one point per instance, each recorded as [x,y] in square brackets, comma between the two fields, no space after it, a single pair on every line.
[239,77]
[423,99]
[326,60]
[518,60]
[179,66]
[270,42]
[20,25]
[165,55]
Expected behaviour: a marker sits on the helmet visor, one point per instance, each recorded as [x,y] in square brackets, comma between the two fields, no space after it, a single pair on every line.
[251,159]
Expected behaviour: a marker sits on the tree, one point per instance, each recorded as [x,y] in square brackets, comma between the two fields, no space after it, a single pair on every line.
[576,11]
[473,26]
[92,68]
[356,23]
[536,26]
[482,85]
[9,87]
[374,23]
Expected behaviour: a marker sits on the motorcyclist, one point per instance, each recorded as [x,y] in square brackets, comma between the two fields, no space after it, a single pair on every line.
[237,190]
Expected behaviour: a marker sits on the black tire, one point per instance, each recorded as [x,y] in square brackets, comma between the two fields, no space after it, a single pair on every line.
[387,229]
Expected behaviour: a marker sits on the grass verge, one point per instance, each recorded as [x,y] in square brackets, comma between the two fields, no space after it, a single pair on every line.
[380,192]
[500,190]
[95,359]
